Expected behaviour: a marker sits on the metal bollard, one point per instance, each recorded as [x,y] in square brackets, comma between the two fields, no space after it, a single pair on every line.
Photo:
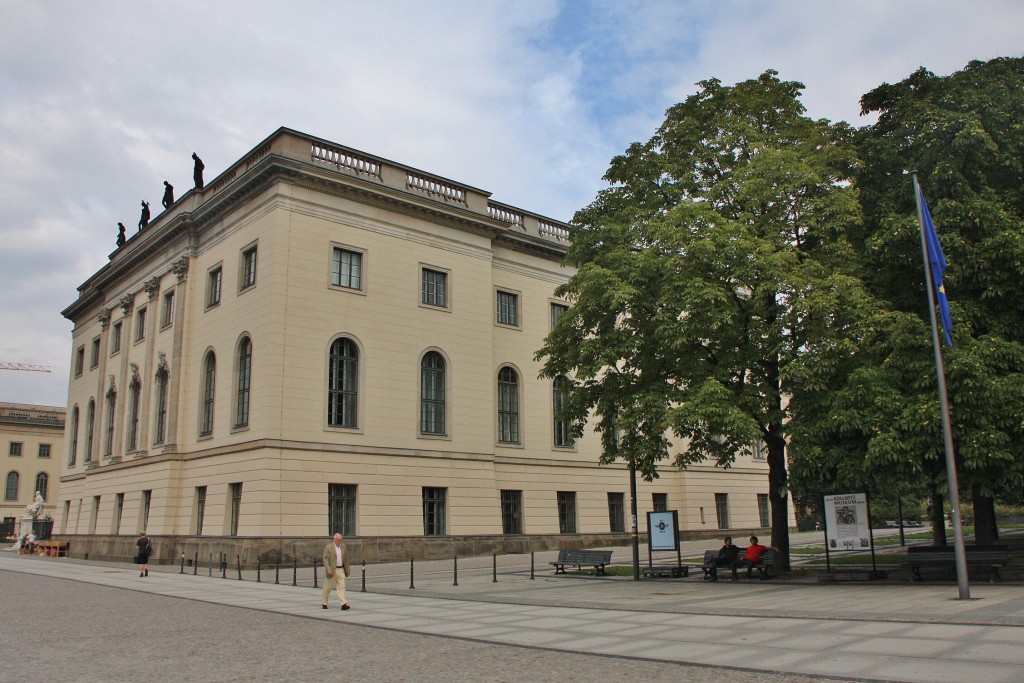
[238,563]
[314,575]
[364,576]
[258,567]
[295,571]
[195,564]
[209,566]
[277,572]
[531,565]
[456,582]
[182,570]
[494,568]
[412,571]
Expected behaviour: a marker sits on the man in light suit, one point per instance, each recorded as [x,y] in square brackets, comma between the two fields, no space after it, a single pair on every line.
[336,564]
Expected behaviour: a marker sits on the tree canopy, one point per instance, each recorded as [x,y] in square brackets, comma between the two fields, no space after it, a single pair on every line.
[716,257]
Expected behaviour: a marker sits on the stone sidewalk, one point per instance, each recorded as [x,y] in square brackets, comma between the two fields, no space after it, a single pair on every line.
[855,631]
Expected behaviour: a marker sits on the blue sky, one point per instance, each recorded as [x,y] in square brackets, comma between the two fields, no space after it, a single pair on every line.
[102,101]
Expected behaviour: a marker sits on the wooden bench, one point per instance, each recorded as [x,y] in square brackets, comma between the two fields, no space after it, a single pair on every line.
[582,558]
[53,548]
[991,557]
[763,566]
[675,571]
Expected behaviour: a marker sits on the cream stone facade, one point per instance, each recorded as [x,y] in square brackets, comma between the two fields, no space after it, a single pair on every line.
[31,442]
[322,340]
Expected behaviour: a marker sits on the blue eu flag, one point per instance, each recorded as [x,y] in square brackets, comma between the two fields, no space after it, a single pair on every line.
[937,266]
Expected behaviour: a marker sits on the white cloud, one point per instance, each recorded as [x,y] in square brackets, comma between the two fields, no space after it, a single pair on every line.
[102,101]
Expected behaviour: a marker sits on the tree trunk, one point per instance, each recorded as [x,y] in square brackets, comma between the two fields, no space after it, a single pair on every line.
[778,495]
[985,530]
[938,519]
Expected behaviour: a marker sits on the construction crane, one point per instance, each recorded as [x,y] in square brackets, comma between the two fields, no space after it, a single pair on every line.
[24,366]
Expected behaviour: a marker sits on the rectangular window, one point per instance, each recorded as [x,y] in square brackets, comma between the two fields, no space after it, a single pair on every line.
[94,353]
[161,407]
[44,450]
[341,509]
[67,516]
[200,509]
[562,428]
[763,511]
[508,308]
[512,512]
[248,268]
[659,502]
[15,448]
[79,360]
[434,288]
[168,317]
[115,338]
[758,451]
[347,269]
[140,324]
[434,511]
[722,509]
[236,508]
[214,282]
[147,498]
[115,527]
[616,512]
[557,310]
[111,404]
[95,514]
[566,512]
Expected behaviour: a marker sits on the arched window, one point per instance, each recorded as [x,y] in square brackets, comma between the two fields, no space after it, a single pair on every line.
[508,406]
[160,433]
[559,397]
[209,381]
[342,383]
[244,382]
[13,484]
[42,484]
[432,396]
[90,421]
[111,405]
[73,454]
[134,390]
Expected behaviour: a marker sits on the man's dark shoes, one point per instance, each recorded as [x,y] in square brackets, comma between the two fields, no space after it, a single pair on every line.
[346,606]
[324,606]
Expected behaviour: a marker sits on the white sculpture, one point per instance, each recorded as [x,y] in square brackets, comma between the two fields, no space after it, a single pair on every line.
[32,512]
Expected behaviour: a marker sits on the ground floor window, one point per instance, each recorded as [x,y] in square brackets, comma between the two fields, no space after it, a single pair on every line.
[616,512]
[722,509]
[567,512]
[762,510]
[512,512]
[434,511]
[341,509]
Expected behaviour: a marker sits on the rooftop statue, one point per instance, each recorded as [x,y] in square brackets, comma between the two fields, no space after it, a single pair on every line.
[197,171]
[121,239]
[144,218]
[168,195]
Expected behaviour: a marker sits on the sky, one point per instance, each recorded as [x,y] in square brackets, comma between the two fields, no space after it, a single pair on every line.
[102,101]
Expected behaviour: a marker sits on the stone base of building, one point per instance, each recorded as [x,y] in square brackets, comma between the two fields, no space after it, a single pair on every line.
[373,550]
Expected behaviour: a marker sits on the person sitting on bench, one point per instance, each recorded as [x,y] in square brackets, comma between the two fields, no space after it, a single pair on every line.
[750,558]
[727,554]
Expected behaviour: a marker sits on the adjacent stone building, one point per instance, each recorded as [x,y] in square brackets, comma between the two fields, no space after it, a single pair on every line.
[323,340]
[31,441]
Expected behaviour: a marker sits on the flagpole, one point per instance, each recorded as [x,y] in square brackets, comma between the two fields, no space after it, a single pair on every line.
[947,431]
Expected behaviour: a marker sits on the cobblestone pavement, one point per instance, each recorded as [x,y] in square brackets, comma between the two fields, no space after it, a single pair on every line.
[62,630]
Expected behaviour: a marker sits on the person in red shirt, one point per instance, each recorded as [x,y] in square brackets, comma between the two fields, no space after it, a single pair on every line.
[754,552]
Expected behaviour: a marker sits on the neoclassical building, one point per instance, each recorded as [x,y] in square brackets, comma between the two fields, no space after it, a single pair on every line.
[323,340]
[31,441]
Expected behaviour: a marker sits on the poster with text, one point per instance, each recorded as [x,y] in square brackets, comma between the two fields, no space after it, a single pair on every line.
[846,522]
[662,529]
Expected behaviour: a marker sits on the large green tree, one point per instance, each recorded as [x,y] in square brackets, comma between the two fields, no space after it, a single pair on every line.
[880,421]
[715,258]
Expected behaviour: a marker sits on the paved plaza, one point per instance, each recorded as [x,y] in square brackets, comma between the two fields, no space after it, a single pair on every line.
[75,620]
